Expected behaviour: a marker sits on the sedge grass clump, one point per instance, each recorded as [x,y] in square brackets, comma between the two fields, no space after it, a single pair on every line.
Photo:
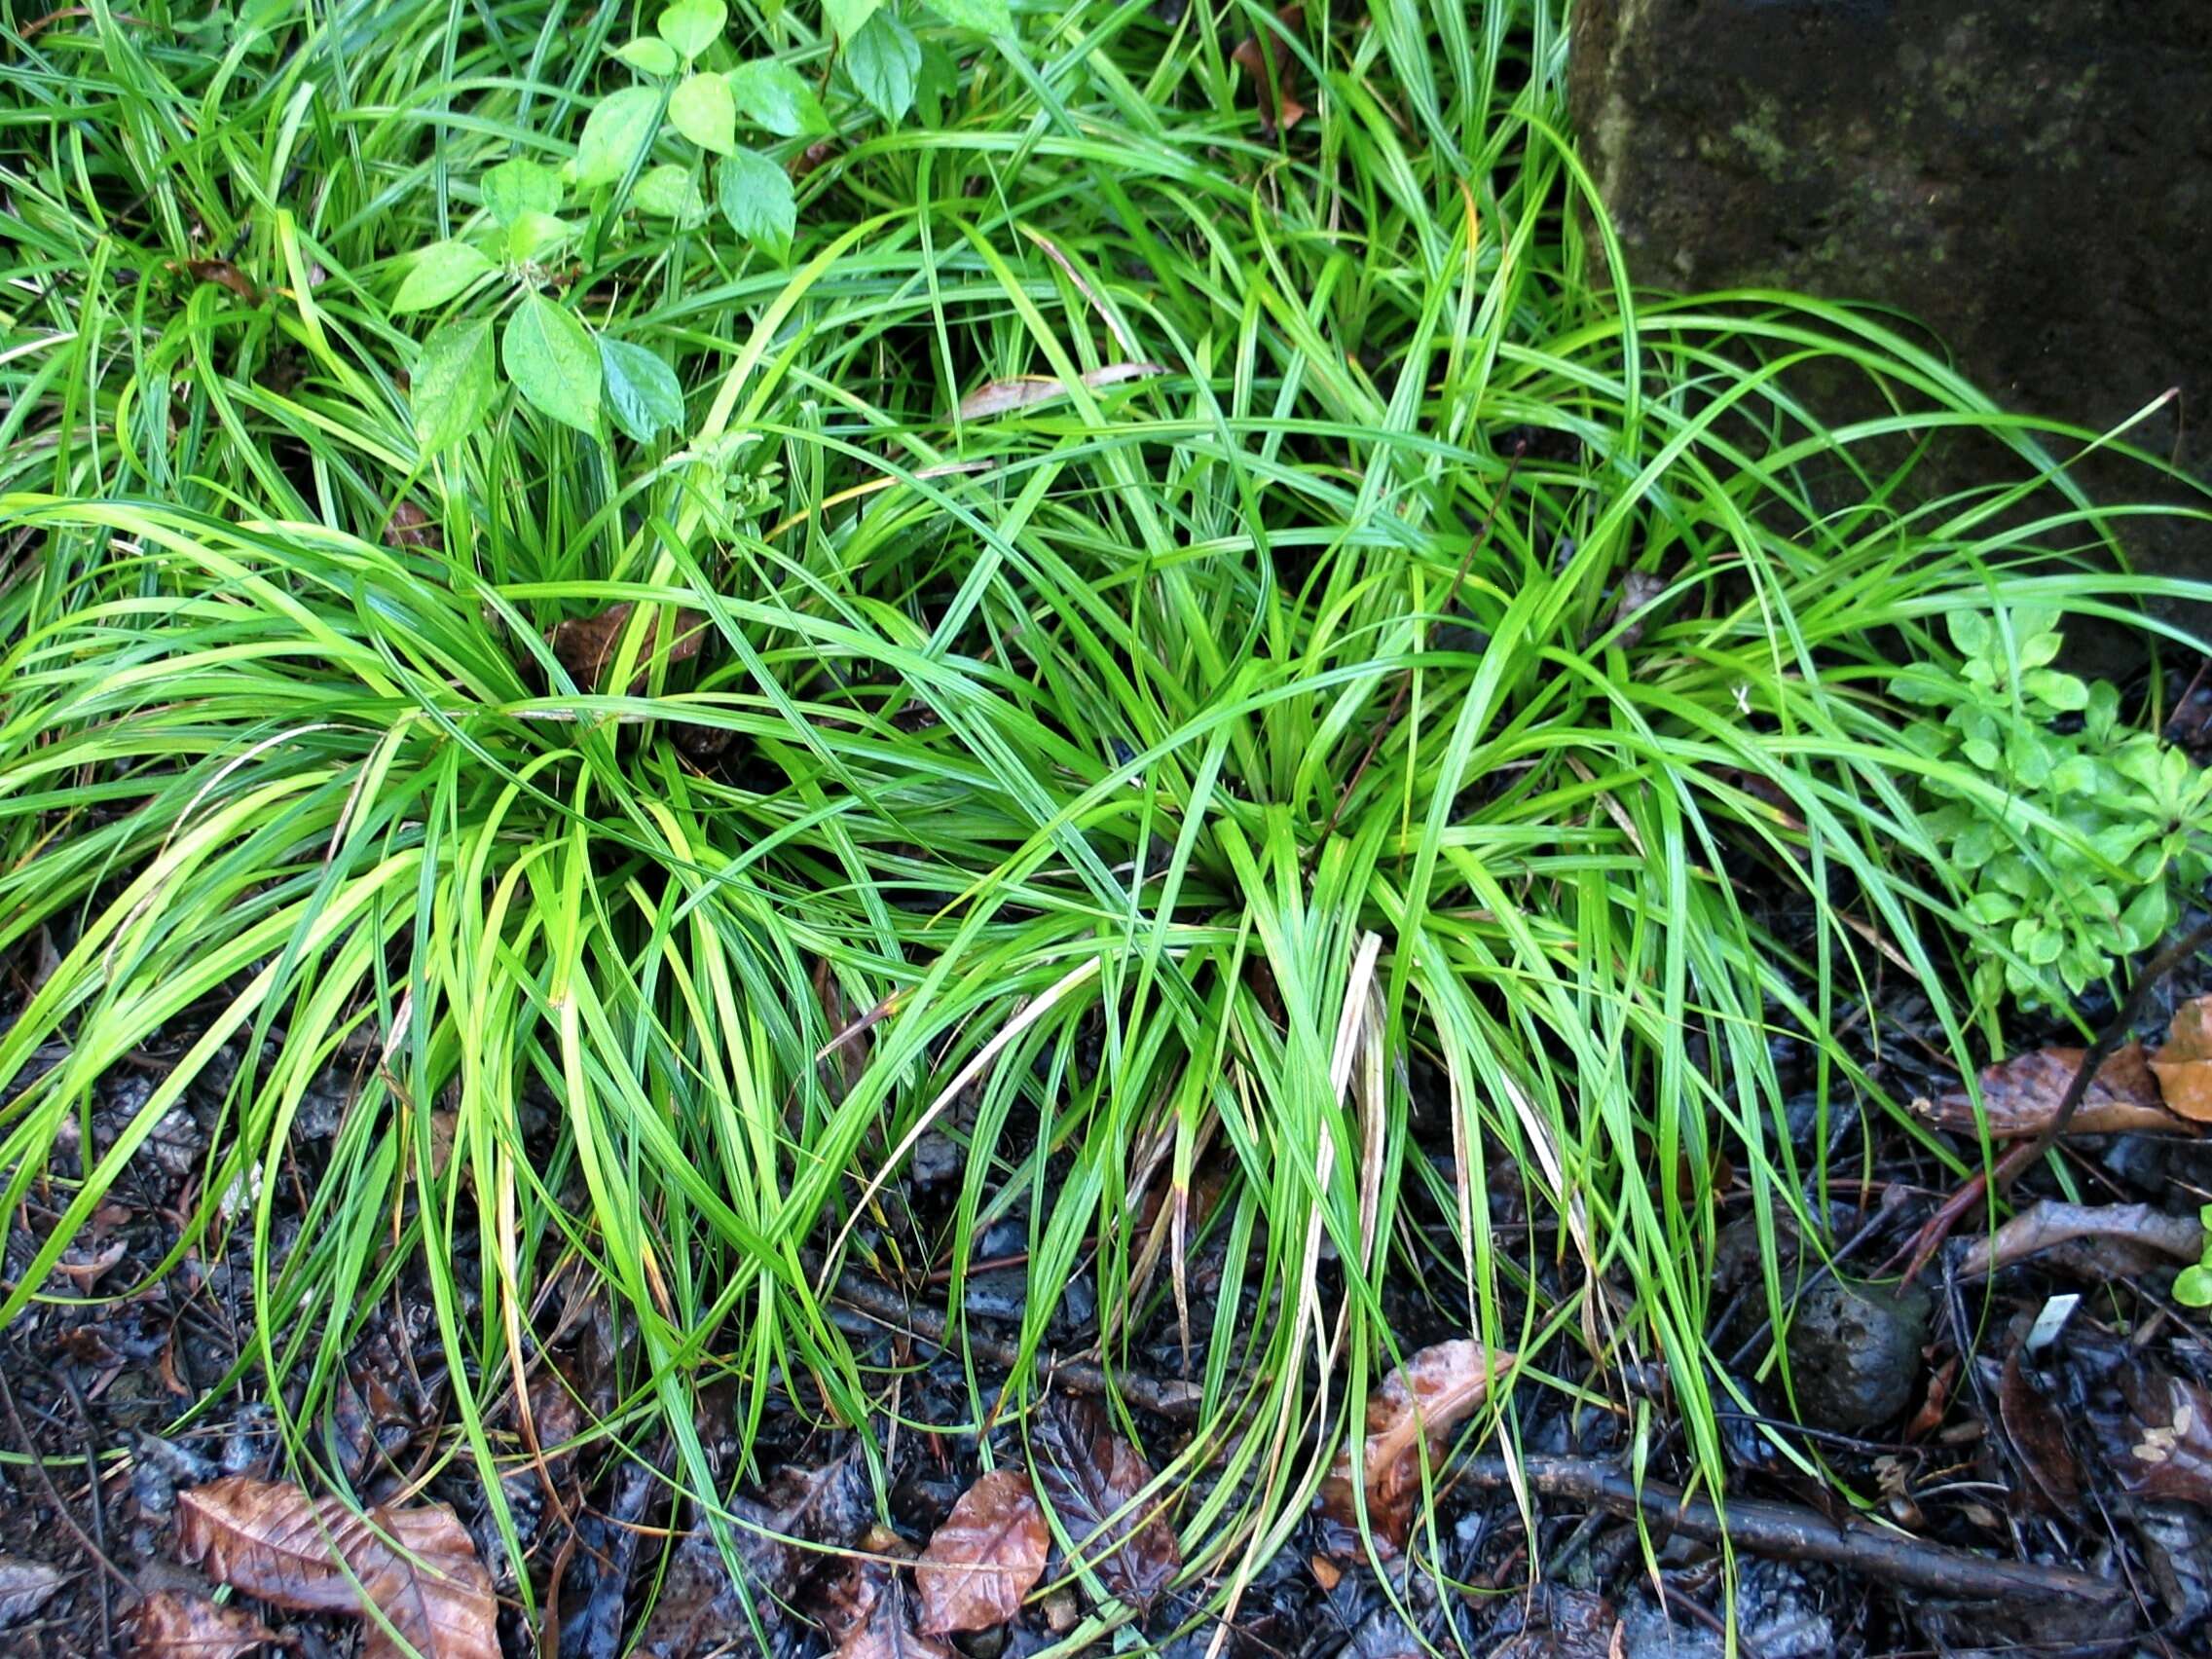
[1148,639]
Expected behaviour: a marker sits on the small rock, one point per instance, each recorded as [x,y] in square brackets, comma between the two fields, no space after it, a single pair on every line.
[1854,1353]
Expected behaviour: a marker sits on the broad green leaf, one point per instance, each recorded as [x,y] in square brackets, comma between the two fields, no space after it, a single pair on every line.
[453,385]
[438,273]
[532,233]
[650,56]
[986,16]
[884,61]
[521,186]
[693,25]
[549,357]
[670,192]
[643,393]
[616,135]
[849,17]
[1969,631]
[937,84]
[773,94]
[755,196]
[704,111]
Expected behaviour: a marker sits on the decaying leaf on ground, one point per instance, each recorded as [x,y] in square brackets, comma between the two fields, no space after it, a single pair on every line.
[26,1586]
[2183,1066]
[1096,1482]
[415,1566]
[986,1557]
[588,644]
[869,1612]
[2023,1094]
[2116,1241]
[1409,1420]
[223,274]
[2172,1454]
[174,1624]
[1257,55]
[411,526]
[2039,1436]
[700,1608]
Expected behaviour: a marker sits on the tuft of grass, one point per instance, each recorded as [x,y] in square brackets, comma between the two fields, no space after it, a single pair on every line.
[1450,689]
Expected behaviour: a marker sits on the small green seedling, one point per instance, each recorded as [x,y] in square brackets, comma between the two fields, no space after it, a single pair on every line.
[2193,1287]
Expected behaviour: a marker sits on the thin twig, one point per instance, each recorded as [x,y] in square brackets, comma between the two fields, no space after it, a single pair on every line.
[37,1461]
[1793,1533]
[871,1307]
[93,1499]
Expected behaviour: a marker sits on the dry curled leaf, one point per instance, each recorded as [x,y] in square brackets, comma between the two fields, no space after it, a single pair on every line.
[1097,1484]
[1257,60]
[2023,1094]
[223,274]
[986,1557]
[2172,1457]
[1001,396]
[26,1586]
[2184,1065]
[869,1613]
[411,526]
[588,644]
[2122,1239]
[1412,1414]
[172,1624]
[417,1566]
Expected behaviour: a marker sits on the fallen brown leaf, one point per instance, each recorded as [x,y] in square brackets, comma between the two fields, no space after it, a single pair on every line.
[2172,1457]
[1097,1484]
[224,275]
[986,1557]
[1417,1406]
[999,398]
[586,644]
[699,1609]
[869,1612]
[2021,1096]
[26,1586]
[411,526]
[2123,1233]
[2184,1065]
[1255,58]
[172,1624]
[2039,1438]
[417,1566]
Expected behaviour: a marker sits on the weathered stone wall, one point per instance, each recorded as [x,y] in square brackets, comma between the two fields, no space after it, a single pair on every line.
[2030,179]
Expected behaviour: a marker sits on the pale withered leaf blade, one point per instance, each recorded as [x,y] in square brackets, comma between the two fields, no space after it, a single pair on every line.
[1001,397]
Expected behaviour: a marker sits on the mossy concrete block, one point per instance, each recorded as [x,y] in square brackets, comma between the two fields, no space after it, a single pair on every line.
[2033,180]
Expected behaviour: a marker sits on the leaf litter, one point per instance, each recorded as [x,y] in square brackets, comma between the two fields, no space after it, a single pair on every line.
[1098,1486]
[417,1566]
[868,1611]
[986,1557]
[2021,1096]
[2183,1065]
[175,1624]
[1409,1420]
